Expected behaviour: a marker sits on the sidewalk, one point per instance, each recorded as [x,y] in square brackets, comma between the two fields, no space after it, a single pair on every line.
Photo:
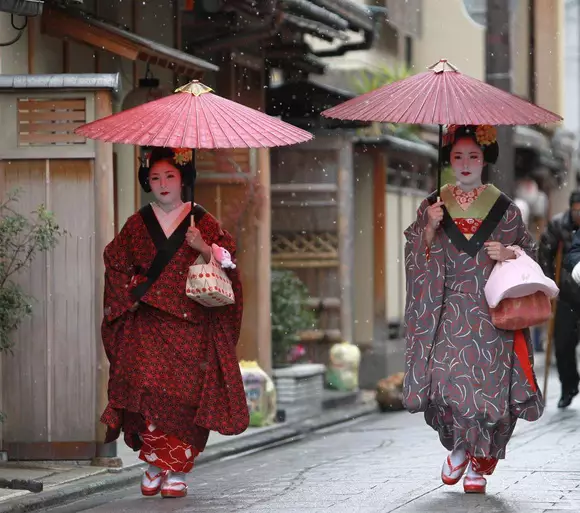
[66,481]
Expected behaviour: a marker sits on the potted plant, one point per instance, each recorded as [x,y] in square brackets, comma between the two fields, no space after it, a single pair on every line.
[290,315]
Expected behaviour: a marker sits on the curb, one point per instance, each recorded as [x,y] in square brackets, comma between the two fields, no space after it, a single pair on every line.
[115,480]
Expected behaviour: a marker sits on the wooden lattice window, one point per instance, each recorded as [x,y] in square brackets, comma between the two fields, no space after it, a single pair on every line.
[47,122]
[299,246]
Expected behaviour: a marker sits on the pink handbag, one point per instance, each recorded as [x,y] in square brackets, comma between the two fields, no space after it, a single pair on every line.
[518,293]
[517,278]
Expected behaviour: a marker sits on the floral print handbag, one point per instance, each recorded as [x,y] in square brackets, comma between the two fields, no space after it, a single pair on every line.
[208,284]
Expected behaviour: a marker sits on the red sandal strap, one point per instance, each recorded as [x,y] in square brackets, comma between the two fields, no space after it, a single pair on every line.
[156,476]
[453,469]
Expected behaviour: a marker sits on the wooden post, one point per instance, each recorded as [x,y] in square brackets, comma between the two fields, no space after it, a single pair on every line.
[263,263]
[346,237]
[104,233]
[380,243]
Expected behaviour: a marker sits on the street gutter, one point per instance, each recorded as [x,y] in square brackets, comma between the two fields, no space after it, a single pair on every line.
[116,479]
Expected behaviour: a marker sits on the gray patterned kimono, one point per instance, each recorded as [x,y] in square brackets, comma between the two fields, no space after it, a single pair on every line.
[461,371]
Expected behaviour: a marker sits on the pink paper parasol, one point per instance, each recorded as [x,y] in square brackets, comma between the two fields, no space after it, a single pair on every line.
[442,96]
[194,118]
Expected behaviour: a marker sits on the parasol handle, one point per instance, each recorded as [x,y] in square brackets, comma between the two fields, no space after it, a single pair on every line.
[439,163]
[190,190]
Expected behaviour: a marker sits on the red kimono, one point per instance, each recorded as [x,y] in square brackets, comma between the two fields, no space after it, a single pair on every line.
[173,366]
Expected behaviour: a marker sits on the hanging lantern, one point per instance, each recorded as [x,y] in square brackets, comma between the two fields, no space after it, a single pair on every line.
[147,91]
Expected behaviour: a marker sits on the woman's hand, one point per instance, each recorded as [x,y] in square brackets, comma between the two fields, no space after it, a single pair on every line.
[497,251]
[435,215]
[434,218]
[196,242]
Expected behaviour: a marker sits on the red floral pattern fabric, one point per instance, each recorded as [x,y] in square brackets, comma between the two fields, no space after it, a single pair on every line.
[468,225]
[172,361]
[465,199]
[166,451]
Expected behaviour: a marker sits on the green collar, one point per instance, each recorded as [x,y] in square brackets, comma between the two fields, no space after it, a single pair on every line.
[479,209]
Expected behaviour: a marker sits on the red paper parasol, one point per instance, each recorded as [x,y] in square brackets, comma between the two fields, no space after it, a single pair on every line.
[194,118]
[197,119]
[442,96]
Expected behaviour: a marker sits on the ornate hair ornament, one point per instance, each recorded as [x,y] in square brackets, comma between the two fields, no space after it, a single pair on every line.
[182,156]
[484,135]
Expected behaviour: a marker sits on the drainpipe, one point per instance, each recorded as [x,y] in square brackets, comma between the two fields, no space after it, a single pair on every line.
[359,16]
[369,40]
[318,13]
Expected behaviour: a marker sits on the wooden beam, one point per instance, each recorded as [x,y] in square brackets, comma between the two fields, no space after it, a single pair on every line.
[32,31]
[263,263]
[346,238]
[380,235]
[104,233]
[279,188]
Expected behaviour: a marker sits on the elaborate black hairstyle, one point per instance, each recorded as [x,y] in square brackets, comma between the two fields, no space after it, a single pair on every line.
[186,169]
[490,151]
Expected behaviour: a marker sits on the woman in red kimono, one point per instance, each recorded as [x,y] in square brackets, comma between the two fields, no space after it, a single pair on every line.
[472,380]
[174,375]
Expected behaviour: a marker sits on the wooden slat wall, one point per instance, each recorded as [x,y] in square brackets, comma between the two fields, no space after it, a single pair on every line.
[55,348]
[25,375]
[72,302]
[50,121]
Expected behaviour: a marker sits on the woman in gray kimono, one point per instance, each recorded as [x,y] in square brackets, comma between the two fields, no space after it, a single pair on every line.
[471,380]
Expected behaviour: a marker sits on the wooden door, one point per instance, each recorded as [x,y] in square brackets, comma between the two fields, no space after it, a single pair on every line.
[55,348]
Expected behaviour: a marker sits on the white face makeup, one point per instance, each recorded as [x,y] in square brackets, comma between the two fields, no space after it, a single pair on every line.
[165,181]
[467,163]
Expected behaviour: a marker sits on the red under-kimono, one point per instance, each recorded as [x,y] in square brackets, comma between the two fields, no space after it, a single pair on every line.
[174,375]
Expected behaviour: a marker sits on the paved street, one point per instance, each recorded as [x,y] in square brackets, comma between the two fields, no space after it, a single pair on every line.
[384,463]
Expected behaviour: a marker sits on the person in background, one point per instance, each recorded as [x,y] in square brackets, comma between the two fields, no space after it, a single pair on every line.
[559,234]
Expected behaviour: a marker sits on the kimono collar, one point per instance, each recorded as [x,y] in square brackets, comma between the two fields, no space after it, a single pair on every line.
[479,207]
[492,202]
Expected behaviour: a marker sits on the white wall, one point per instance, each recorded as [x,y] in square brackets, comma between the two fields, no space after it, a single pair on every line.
[450,33]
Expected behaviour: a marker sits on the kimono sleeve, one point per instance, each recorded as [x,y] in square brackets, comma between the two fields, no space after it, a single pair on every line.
[119,271]
[417,252]
[425,277]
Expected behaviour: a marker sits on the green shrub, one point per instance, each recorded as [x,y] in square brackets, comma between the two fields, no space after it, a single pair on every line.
[290,315]
[21,239]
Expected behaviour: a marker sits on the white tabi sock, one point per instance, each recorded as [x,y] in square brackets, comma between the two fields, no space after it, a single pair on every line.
[457,457]
[472,473]
[176,477]
[153,470]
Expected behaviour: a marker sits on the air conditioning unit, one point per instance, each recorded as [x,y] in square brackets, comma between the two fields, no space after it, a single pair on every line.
[22,7]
